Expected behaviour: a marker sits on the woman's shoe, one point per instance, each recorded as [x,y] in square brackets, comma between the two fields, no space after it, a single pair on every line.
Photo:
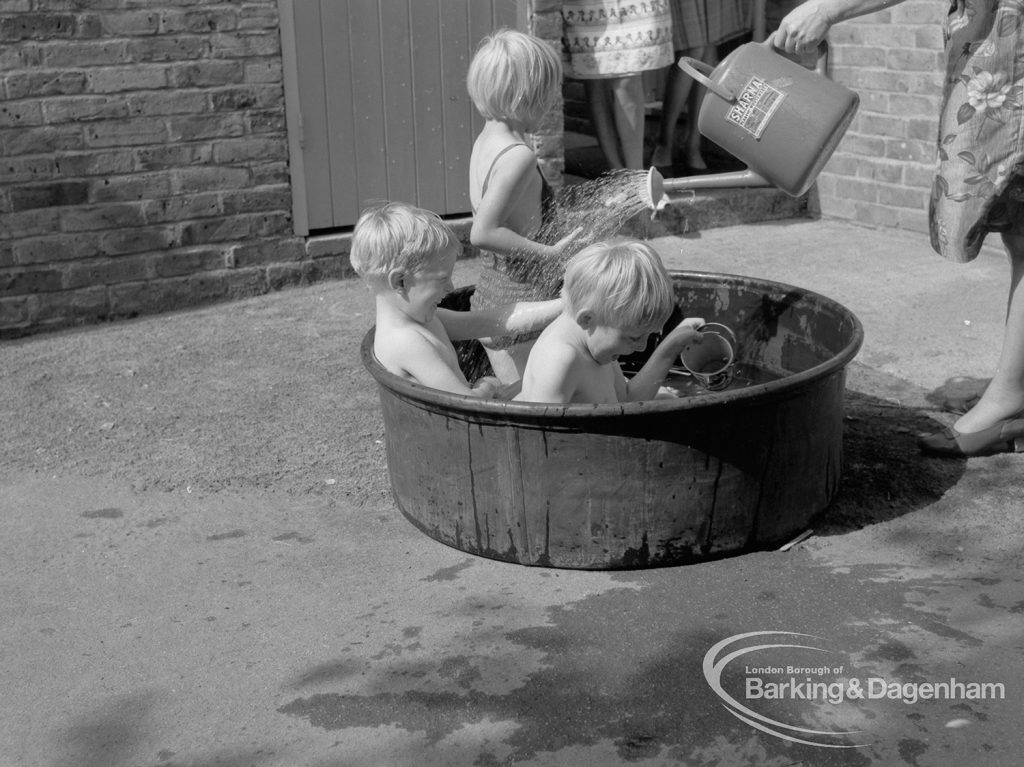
[1004,436]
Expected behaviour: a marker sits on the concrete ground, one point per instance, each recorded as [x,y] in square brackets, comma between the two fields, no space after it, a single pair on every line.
[202,565]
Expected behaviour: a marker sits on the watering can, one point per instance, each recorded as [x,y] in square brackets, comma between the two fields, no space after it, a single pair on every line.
[780,118]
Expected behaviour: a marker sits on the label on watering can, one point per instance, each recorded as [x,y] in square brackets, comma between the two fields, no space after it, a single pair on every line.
[755,106]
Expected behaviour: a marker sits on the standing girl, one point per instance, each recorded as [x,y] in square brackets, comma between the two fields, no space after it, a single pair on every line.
[513,80]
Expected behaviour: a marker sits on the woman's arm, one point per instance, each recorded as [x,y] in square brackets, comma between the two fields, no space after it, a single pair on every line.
[806,25]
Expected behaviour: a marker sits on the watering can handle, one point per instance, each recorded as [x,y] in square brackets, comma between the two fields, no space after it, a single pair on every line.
[820,63]
[699,71]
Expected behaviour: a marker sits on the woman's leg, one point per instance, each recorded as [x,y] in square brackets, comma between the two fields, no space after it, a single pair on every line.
[601,117]
[1004,396]
[628,106]
[679,87]
[694,159]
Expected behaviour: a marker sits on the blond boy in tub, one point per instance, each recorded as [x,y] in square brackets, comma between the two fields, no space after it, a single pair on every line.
[406,256]
[615,295]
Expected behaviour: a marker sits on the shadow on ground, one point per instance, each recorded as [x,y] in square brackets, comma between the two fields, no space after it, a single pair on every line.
[884,473]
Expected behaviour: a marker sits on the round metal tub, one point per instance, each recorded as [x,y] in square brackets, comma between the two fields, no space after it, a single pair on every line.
[640,484]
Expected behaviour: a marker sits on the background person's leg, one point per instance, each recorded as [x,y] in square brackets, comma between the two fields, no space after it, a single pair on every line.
[628,108]
[599,101]
[679,87]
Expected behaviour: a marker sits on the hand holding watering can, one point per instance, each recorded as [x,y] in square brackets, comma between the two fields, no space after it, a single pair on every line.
[804,28]
[781,119]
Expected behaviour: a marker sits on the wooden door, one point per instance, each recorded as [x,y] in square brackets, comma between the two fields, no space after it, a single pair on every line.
[377,104]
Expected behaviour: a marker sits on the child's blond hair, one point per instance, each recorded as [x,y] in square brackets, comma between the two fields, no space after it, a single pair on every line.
[624,284]
[396,235]
[514,77]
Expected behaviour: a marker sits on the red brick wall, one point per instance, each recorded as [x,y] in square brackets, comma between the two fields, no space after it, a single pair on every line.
[881,173]
[144,159]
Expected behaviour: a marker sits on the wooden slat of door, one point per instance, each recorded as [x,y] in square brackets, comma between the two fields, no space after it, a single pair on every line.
[335,49]
[399,124]
[428,105]
[366,66]
[458,109]
[481,24]
[383,101]
[313,105]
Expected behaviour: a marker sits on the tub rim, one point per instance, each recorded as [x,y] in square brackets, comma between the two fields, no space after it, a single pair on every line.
[532,410]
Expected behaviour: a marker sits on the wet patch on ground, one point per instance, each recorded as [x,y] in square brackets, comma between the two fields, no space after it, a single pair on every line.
[656,703]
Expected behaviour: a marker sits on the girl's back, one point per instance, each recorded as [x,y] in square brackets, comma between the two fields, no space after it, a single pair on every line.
[505,184]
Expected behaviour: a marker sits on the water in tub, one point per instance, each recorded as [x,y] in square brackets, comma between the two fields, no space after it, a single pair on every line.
[680,383]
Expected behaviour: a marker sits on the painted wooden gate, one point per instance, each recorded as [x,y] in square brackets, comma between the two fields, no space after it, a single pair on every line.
[377,103]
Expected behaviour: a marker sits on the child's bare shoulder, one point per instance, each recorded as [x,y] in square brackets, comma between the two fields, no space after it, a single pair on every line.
[555,351]
[395,346]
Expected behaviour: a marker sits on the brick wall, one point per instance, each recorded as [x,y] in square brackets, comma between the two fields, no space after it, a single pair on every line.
[544,20]
[144,159]
[881,173]
[144,155]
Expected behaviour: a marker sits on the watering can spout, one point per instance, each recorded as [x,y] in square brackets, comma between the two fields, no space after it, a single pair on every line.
[658,185]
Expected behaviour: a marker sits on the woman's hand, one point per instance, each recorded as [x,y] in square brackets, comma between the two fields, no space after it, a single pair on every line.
[803,28]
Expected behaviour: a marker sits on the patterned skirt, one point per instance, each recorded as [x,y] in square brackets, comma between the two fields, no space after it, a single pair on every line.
[615,38]
[979,187]
[697,23]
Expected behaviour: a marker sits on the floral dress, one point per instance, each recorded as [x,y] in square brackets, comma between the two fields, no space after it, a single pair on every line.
[979,187]
[615,38]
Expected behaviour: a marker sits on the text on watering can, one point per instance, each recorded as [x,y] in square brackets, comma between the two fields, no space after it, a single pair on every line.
[755,106]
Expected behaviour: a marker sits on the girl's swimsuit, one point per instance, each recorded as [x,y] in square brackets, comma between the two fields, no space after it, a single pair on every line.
[510,278]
